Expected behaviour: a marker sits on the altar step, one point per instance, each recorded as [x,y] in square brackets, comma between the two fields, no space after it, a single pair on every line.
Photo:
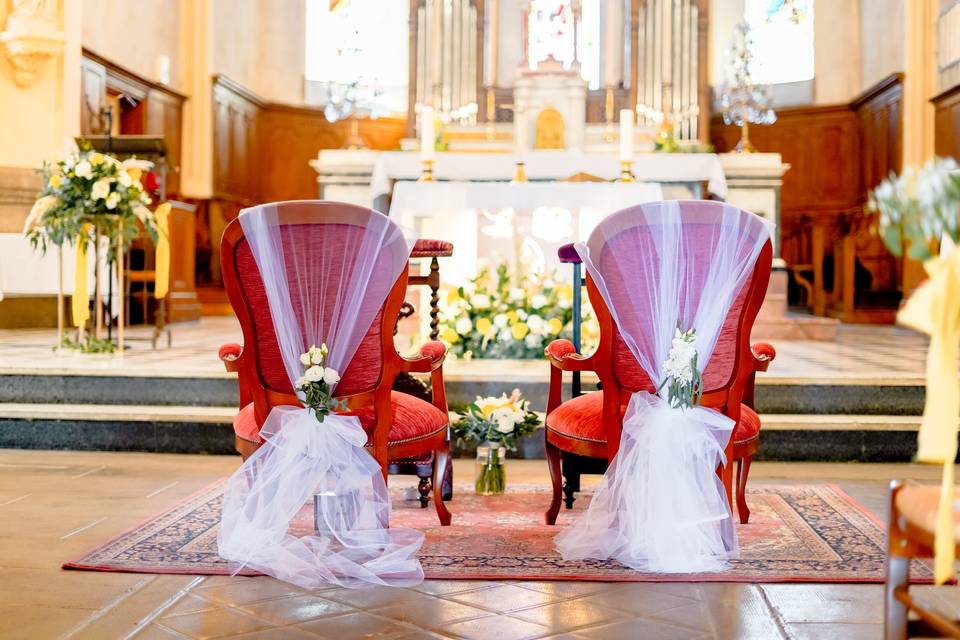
[195,429]
[775,395]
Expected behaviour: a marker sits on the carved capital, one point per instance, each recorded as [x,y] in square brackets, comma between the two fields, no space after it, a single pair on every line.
[30,38]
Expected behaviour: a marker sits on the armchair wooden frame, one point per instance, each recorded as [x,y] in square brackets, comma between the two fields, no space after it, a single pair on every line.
[253,388]
[562,357]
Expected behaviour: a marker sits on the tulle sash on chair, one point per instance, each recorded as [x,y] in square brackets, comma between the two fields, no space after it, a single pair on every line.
[661,266]
[327,269]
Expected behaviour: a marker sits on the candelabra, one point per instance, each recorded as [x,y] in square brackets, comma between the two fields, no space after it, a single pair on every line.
[743,102]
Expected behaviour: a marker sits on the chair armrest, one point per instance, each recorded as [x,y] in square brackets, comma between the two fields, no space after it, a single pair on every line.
[430,358]
[229,354]
[763,354]
[563,355]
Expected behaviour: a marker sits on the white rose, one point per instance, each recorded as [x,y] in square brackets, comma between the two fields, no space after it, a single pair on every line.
[330,376]
[464,326]
[536,324]
[516,294]
[480,301]
[305,359]
[313,374]
[112,200]
[531,341]
[504,419]
[101,188]
[300,383]
[538,301]
[500,320]
[124,178]
[316,356]
[506,335]
[84,170]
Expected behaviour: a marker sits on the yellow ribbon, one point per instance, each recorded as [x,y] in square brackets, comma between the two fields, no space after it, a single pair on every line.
[162,281]
[934,308]
[80,301]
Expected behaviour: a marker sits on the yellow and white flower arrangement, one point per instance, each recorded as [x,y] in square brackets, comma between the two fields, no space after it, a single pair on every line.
[503,315]
[87,189]
[503,419]
[317,382]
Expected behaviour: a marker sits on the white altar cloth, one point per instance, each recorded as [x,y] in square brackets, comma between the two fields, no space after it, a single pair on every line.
[547,165]
[488,220]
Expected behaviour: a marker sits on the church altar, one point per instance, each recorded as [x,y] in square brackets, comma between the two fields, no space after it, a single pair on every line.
[509,221]
[366,177]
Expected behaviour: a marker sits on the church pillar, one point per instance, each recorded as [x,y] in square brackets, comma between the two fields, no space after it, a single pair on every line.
[197,162]
[920,81]
[919,85]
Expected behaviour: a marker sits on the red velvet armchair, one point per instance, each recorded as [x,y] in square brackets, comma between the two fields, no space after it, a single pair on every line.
[589,425]
[399,425]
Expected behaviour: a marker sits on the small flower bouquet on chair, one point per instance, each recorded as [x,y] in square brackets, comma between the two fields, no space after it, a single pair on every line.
[494,425]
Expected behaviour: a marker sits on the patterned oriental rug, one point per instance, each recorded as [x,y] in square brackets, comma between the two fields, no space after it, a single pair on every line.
[797,533]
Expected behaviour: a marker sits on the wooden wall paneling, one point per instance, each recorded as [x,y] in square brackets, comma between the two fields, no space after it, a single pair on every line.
[880,113]
[165,117]
[236,164]
[597,103]
[946,124]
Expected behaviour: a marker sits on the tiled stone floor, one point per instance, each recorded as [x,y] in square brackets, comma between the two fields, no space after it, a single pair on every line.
[55,505]
[860,351]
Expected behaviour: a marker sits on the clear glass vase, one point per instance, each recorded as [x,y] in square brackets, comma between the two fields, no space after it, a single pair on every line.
[491,470]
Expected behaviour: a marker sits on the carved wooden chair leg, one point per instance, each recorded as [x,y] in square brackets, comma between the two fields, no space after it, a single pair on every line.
[743,470]
[553,463]
[571,481]
[434,284]
[425,474]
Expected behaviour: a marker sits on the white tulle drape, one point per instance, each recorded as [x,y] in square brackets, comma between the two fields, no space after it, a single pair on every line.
[660,506]
[310,506]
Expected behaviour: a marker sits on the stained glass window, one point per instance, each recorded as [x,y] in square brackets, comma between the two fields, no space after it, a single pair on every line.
[555,32]
[357,55]
[781,32]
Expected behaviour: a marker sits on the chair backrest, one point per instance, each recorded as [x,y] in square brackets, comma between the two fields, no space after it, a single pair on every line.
[317,229]
[622,261]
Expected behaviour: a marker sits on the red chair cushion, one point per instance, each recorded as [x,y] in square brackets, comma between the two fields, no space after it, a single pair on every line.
[582,418]
[425,248]
[413,419]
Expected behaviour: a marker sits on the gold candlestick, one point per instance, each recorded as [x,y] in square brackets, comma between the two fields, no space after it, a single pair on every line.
[626,171]
[427,175]
[520,175]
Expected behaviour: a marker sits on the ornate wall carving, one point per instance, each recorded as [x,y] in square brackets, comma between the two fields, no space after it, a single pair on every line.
[31,37]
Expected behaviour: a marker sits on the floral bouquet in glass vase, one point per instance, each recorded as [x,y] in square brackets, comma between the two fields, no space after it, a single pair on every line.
[495,425]
[317,382]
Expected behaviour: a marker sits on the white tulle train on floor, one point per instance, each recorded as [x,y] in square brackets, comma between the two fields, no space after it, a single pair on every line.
[268,511]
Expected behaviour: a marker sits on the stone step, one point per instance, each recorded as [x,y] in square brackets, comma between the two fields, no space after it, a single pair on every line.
[866,395]
[184,429]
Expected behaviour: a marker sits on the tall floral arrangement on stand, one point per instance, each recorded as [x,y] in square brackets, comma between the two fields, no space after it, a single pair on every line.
[918,209]
[500,314]
[87,195]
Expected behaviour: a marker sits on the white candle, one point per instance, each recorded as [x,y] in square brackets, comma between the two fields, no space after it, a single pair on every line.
[428,134]
[519,133]
[626,135]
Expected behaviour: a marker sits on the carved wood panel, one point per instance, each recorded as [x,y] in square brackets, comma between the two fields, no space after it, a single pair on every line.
[947,123]
[880,113]
[93,91]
